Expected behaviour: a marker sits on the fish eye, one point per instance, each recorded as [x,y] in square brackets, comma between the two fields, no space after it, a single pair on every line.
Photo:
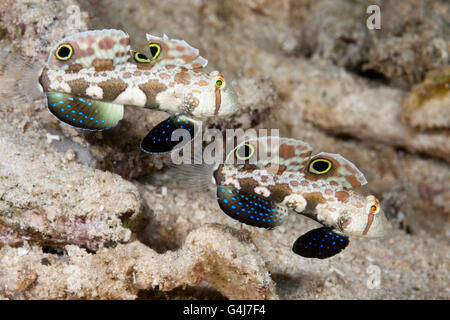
[374,208]
[155,50]
[139,57]
[219,82]
[320,166]
[64,52]
[245,152]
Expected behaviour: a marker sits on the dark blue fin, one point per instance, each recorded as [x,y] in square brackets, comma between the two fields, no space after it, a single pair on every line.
[84,113]
[169,135]
[320,243]
[250,209]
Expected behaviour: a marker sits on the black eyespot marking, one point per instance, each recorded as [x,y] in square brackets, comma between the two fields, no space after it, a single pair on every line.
[64,52]
[245,152]
[141,58]
[155,50]
[320,166]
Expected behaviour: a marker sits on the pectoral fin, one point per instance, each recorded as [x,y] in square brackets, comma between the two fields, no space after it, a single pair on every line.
[250,209]
[171,134]
[320,243]
[84,113]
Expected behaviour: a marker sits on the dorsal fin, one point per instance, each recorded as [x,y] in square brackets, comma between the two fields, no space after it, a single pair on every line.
[334,167]
[274,154]
[101,49]
[176,52]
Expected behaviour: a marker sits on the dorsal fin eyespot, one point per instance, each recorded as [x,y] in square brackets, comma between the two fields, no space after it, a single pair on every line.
[334,167]
[177,52]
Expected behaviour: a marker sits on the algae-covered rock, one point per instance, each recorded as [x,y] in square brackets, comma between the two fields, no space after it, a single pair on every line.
[428,104]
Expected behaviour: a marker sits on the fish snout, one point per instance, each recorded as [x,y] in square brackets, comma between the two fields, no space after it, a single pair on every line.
[377,225]
[225,97]
[229,102]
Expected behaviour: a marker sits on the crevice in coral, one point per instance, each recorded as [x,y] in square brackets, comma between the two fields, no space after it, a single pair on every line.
[200,292]
[59,251]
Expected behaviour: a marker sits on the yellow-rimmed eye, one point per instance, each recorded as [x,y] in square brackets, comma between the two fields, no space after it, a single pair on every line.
[141,58]
[320,166]
[219,82]
[374,208]
[64,52]
[245,152]
[155,50]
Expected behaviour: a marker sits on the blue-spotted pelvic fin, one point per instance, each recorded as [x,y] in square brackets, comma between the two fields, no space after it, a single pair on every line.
[84,113]
[167,51]
[101,49]
[334,167]
[253,210]
[274,154]
[320,243]
[171,134]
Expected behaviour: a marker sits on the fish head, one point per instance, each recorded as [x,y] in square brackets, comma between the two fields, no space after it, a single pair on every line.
[367,219]
[214,96]
[206,95]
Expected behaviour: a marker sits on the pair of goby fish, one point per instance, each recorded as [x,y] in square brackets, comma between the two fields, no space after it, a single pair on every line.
[90,76]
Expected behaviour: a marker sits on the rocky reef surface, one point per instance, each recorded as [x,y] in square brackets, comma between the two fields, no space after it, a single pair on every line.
[88,215]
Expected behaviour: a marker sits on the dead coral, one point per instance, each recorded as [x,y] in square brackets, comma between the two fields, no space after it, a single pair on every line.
[428,104]
[52,200]
[217,255]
